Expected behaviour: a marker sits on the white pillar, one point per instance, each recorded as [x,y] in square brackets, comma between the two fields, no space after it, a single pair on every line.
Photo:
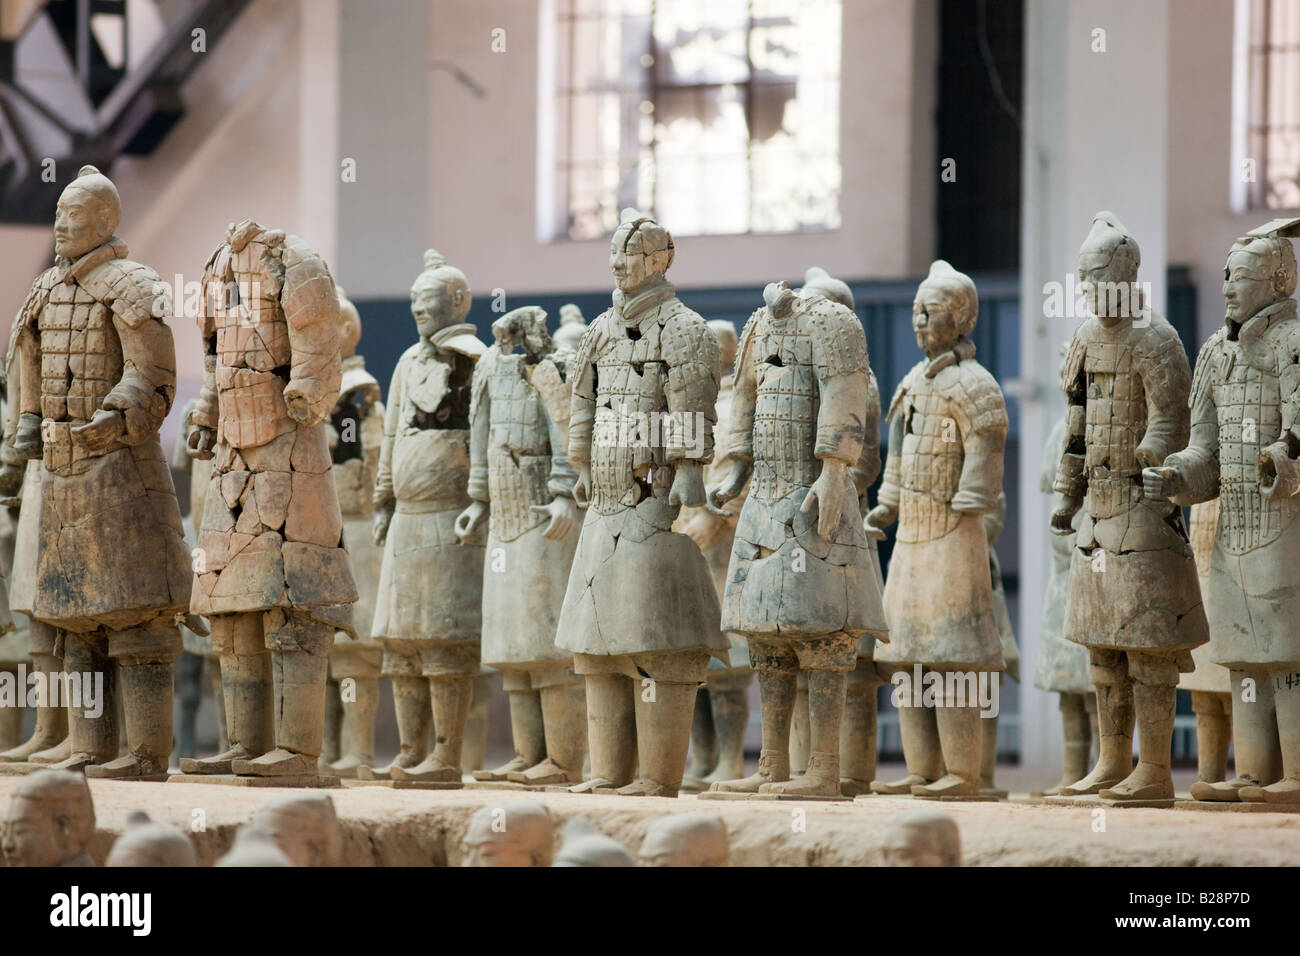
[1095,137]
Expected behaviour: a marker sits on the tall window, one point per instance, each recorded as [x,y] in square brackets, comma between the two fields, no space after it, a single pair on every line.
[720,117]
[1268,100]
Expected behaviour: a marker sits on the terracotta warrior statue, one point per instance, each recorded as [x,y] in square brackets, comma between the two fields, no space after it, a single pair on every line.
[254,846]
[1134,600]
[271,573]
[520,473]
[145,843]
[429,611]
[572,328]
[922,838]
[993,522]
[13,633]
[1209,684]
[356,434]
[722,705]
[1062,666]
[685,839]
[111,570]
[516,834]
[1245,440]
[801,585]
[305,826]
[584,845]
[943,473]
[640,614]
[50,821]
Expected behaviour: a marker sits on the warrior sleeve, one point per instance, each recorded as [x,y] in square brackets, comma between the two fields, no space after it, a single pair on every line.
[1051,457]
[1279,467]
[891,485]
[384,478]
[839,353]
[1167,379]
[984,442]
[582,401]
[480,420]
[867,468]
[205,411]
[1071,478]
[549,381]
[744,393]
[1198,463]
[311,311]
[145,392]
[690,350]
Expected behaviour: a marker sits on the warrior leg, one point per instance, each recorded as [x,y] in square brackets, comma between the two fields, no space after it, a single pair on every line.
[360,708]
[777,668]
[1075,722]
[799,726]
[1286,704]
[146,666]
[94,739]
[858,730]
[1213,732]
[564,718]
[961,738]
[1155,682]
[213,667]
[526,726]
[413,710]
[11,718]
[1115,723]
[825,716]
[663,734]
[704,741]
[611,731]
[331,738]
[246,689]
[922,752]
[51,722]
[1255,739]
[474,746]
[729,701]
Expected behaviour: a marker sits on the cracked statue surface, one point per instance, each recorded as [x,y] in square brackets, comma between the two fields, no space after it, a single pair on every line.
[640,613]
[271,575]
[98,376]
[803,585]
[943,474]
[1134,599]
[1242,450]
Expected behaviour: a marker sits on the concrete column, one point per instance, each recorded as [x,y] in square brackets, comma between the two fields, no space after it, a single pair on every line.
[1096,138]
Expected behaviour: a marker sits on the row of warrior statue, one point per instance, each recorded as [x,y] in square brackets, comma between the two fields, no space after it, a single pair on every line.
[633,510]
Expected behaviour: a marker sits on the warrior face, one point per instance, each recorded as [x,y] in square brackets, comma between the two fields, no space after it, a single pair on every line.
[1258,273]
[37,835]
[934,319]
[436,303]
[629,265]
[640,252]
[81,223]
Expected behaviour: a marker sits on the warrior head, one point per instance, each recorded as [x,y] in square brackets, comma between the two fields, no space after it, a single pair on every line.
[349,324]
[51,819]
[440,296]
[570,314]
[524,326]
[1108,268]
[87,214]
[640,252]
[518,834]
[724,330]
[819,280]
[304,826]
[1260,271]
[685,839]
[945,309]
[145,843]
[922,838]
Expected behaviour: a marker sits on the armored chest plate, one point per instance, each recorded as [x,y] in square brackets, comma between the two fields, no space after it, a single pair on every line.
[785,413]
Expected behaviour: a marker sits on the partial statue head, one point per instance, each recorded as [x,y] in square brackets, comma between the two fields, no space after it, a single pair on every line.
[517,834]
[87,214]
[922,838]
[570,314]
[1260,270]
[524,327]
[51,820]
[1108,268]
[571,329]
[945,309]
[584,845]
[640,252]
[254,846]
[440,296]
[304,826]
[145,843]
[685,839]
[349,324]
[724,330]
[820,280]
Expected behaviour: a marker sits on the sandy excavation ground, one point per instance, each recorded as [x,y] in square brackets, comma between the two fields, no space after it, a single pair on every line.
[385,827]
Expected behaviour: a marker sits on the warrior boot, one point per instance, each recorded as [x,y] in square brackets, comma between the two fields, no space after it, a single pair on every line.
[331,742]
[450,698]
[93,740]
[776,692]
[564,716]
[704,744]
[51,722]
[858,740]
[473,747]
[730,707]
[1255,740]
[299,689]
[528,733]
[246,687]
[921,751]
[1151,778]
[1078,740]
[1286,704]
[358,728]
[414,720]
[960,737]
[1213,733]
[611,732]
[146,690]
[663,734]
[821,778]
[1115,749]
